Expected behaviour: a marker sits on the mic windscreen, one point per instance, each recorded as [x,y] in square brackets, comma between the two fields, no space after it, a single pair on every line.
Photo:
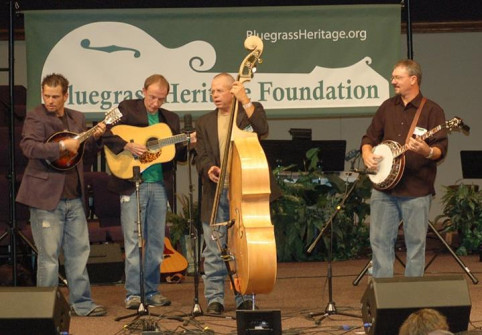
[136,171]
[188,122]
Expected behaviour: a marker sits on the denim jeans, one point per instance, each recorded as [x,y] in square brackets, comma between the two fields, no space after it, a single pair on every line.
[386,213]
[215,271]
[153,206]
[65,228]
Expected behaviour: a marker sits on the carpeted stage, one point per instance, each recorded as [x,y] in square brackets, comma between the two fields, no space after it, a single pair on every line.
[301,289]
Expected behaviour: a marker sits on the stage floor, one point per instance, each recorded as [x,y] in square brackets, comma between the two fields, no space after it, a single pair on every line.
[300,289]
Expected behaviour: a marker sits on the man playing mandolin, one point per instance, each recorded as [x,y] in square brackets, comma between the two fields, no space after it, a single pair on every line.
[55,197]
[410,198]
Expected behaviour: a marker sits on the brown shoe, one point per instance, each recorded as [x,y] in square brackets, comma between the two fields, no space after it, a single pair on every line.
[97,311]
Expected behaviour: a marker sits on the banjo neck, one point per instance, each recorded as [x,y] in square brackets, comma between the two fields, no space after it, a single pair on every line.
[423,137]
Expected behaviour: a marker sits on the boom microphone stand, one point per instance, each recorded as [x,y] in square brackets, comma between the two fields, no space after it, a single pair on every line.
[142,310]
[330,309]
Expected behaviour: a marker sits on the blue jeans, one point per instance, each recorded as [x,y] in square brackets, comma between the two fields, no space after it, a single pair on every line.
[65,228]
[153,204]
[386,213]
[215,271]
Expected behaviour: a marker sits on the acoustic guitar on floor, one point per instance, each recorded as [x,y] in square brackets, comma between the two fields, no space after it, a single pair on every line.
[160,148]
[174,264]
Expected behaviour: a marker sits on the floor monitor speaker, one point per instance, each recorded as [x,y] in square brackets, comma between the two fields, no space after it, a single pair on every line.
[387,302]
[33,310]
[258,322]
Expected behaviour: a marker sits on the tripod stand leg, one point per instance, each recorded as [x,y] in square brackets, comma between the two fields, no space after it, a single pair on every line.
[454,255]
[34,249]
[362,273]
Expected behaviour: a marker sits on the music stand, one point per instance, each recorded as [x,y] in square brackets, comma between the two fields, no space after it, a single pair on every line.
[287,152]
[471,164]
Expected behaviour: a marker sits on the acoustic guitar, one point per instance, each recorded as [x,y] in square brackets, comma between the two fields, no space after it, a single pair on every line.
[160,148]
[174,263]
[68,160]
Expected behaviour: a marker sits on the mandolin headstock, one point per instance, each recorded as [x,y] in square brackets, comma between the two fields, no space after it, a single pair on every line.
[113,116]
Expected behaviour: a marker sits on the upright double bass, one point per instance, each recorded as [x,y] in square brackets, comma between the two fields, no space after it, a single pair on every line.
[251,243]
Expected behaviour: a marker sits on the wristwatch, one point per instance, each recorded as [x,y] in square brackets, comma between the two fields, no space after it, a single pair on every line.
[430,154]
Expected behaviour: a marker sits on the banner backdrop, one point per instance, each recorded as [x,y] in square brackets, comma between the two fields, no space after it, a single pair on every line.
[317,60]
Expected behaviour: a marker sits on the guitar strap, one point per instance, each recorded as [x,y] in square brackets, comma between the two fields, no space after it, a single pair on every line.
[415,119]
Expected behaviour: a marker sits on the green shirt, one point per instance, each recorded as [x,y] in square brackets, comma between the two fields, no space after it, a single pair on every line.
[153,173]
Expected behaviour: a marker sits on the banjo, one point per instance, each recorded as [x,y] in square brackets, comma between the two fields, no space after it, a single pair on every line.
[391,167]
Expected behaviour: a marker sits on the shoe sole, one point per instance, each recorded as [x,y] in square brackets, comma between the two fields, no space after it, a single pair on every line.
[167,303]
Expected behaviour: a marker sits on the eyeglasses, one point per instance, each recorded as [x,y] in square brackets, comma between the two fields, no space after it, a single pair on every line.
[397,78]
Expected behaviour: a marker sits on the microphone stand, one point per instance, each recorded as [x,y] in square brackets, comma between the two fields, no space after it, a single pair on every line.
[194,230]
[142,310]
[330,308]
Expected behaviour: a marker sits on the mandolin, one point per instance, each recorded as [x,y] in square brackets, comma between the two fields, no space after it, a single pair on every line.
[69,160]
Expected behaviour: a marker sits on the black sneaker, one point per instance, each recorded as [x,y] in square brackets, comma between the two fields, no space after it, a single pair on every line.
[246,305]
[215,308]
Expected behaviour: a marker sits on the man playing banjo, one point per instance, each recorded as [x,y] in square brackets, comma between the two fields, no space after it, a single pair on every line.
[400,120]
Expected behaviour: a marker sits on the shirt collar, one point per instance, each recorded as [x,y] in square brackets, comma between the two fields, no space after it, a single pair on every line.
[415,101]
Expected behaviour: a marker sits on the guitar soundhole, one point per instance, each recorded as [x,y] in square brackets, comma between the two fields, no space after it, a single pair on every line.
[152,144]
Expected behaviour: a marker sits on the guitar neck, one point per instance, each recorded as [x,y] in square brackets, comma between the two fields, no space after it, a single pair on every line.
[159,143]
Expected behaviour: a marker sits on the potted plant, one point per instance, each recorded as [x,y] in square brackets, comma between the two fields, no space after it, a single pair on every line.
[462,213]
[309,200]
[178,223]
[180,228]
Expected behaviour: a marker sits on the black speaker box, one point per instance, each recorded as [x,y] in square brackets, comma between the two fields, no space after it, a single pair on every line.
[105,264]
[387,302]
[258,322]
[33,310]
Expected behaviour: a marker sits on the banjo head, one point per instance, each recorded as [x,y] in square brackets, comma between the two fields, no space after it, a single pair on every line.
[385,150]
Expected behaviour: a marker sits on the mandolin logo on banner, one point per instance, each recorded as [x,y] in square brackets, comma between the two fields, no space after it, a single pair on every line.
[331,60]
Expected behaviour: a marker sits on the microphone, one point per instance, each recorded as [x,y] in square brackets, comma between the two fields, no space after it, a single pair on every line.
[136,174]
[363,171]
[352,154]
[188,123]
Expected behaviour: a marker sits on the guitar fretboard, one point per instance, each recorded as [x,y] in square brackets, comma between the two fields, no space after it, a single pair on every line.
[159,143]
